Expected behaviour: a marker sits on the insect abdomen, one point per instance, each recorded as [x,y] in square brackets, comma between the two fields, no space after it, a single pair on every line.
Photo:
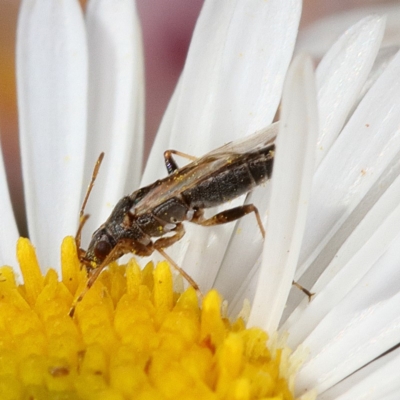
[231,181]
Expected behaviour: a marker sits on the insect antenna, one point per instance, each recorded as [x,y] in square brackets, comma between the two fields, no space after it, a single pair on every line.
[82,216]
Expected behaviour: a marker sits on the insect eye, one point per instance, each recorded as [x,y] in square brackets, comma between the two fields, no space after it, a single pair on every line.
[102,249]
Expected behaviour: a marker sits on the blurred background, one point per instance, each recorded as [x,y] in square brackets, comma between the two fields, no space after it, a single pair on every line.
[167,28]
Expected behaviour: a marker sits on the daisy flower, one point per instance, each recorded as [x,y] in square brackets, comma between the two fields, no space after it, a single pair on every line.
[331,212]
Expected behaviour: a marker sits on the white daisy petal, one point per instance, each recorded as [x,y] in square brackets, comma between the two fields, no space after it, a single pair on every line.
[116,101]
[383,59]
[291,187]
[362,327]
[157,150]
[237,47]
[244,247]
[161,142]
[234,55]
[245,292]
[230,49]
[341,75]
[361,153]
[52,87]
[9,231]
[375,381]
[326,30]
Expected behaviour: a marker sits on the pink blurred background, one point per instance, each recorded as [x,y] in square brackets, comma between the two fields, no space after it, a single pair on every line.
[167,28]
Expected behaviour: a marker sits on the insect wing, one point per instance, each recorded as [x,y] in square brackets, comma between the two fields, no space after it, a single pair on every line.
[194,172]
[182,179]
[261,138]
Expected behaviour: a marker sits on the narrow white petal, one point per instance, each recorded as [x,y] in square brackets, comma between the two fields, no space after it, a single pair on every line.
[245,292]
[157,151]
[378,380]
[116,101]
[8,231]
[230,87]
[318,37]
[52,87]
[233,77]
[369,240]
[291,187]
[155,162]
[362,327]
[366,146]
[383,59]
[341,75]
[244,248]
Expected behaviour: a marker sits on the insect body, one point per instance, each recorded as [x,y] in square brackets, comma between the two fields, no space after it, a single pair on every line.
[150,219]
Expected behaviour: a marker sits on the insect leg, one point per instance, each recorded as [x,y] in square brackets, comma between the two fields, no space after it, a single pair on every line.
[188,278]
[304,290]
[231,215]
[162,243]
[234,214]
[170,162]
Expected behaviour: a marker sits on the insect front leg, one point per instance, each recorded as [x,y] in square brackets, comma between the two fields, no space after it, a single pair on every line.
[230,215]
[170,162]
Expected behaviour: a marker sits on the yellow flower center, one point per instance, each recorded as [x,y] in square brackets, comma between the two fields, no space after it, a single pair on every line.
[132,337]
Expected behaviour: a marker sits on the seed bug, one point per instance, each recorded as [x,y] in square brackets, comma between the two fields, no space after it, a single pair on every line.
[160,209]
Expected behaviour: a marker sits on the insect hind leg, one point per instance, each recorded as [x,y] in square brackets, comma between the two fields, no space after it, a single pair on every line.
[304,290]
[230,215]
[170,162]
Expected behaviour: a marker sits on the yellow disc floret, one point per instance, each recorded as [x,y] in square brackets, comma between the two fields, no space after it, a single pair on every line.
[132,337]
